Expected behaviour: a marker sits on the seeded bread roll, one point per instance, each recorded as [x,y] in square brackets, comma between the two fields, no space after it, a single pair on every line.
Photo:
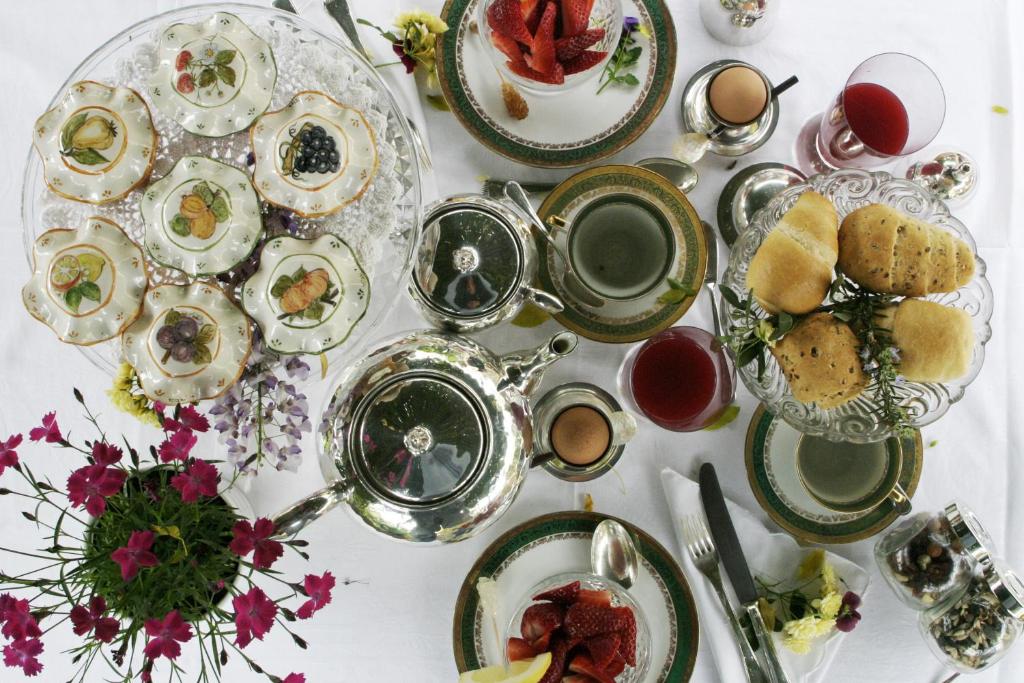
[792,269]
[887,251]
[820,360]
[936,342]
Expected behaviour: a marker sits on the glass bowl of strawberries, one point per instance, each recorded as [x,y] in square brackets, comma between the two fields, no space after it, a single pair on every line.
[549,46]
[592,627]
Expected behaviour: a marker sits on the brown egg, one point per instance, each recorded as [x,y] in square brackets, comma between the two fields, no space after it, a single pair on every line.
[580,435]
[738,95]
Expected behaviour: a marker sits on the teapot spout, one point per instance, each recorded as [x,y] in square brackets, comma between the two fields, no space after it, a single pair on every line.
[523,369]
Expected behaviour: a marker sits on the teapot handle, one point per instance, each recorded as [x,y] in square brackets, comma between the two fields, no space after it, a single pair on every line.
[294,519]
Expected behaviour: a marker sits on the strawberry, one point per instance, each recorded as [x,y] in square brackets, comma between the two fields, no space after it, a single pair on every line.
[582,664]
[506,17]
[628,632]
[560,647]
[543,643]
[583,62]
[616,666]
[556,77]
[542,57]
[540,620]
[518,648]
[603,649]
[572,46]
[584,621]
[575,16]
[563,595]
[595,597]
[577,678]
[509,47]
[531,13]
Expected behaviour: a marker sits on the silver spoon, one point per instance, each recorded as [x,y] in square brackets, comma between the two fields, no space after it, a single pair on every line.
[682,175]
[517,195]
[613,554]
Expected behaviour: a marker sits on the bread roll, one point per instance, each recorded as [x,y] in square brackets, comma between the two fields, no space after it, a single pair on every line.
[821,362]
[936,342]
[792,269]
[889,252]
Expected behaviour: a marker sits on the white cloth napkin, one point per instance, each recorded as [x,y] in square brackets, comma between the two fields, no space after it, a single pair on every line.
[768,554]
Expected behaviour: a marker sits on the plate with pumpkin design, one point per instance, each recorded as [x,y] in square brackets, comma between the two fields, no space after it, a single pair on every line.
[87,284]
[214,77]
[190,343]
[315,156]
[307,295]
[98,144]
[201,218]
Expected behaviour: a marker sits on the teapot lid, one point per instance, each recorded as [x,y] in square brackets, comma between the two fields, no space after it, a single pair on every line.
[470,259]
[419,438]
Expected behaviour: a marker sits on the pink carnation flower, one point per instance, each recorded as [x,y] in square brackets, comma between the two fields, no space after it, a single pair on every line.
[254,615]
[8,456]
[164,636]
[178,446]
[92,485]
[200,480]
[136,554]
[49,430]
[318,588]
[88,619]
[256,540]
[23,652]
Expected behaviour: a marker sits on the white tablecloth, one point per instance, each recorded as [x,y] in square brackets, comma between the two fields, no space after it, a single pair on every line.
[393,623]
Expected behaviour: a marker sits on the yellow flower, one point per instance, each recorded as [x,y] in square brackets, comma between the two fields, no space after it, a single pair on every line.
[829,581]
[811,565]
[830,605]
[644,31]
[802,629]
[824,627]
[801,647]
[432,23]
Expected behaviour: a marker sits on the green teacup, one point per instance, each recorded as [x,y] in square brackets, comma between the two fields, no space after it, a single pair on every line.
[852,477]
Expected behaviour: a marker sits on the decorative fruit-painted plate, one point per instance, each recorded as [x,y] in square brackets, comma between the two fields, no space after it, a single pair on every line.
[678,240]
[98,144]
[202,218]
[214,77]
[568,128]
[771,470]
[559,543]
[315,156]
[87,284]
[190,343]
[308,295]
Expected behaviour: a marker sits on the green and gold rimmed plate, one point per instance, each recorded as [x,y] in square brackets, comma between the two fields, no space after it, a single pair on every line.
[559,543]
[771,469]
[570,128]
[675,248]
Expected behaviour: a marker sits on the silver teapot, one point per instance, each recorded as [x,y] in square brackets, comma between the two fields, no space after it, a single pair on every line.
[429,438]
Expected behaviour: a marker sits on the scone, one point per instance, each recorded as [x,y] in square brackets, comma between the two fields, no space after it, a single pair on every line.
[821,362]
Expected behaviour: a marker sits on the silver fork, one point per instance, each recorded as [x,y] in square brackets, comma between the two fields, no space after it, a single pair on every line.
[705,557]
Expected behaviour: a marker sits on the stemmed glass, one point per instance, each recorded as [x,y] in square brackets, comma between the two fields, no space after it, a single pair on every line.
[892,105]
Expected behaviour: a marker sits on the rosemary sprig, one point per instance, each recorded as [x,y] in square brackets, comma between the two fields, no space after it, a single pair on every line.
[752,336]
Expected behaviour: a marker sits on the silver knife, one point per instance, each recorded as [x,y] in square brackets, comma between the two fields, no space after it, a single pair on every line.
[339,11]
[711,279]
[731,554]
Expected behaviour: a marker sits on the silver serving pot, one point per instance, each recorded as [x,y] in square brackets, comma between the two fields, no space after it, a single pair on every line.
[475,264]
[429,438]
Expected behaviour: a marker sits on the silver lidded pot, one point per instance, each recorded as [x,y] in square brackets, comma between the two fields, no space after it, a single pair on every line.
[429,438]
[475,264]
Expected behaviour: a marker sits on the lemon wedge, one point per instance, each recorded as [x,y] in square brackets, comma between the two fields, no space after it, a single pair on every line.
[523,671]
[65,273]
[92,266]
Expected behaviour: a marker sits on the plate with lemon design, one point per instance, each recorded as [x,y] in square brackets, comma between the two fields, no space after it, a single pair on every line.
[202,218]
[87,284]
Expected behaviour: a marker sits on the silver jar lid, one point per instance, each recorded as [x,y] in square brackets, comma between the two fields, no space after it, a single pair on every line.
[975,539]
[1007,586]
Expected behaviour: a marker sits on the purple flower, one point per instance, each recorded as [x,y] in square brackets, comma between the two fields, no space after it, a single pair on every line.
[848,615]
[407,61]
[250,159]
[296,368]
[630,24]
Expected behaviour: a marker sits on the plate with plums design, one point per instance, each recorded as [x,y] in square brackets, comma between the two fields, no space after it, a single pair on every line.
[315,156]
[190,343]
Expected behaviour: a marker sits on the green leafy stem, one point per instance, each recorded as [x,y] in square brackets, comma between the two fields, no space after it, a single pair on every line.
[627,54]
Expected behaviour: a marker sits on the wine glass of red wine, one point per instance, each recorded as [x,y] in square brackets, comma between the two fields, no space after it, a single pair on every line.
[892,105]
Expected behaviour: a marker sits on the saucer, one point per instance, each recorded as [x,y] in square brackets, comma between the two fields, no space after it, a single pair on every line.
[278,139]
[748,191]
[202,218]
[572,128]
[87,284]
[308,295]
[560,543]
[218,342]
[635,319]
[214,77]
[771,470]
[97,145]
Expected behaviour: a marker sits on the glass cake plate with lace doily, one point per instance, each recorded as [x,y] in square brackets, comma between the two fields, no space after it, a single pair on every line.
[381,227]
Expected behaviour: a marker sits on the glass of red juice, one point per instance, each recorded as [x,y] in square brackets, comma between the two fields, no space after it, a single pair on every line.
[892,105]
[680,379]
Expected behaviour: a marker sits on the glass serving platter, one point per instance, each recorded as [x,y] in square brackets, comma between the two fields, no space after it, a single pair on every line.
[382,227]
[857,421]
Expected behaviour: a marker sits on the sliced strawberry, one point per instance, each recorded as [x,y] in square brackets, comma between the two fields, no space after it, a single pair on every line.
[616,666]
[506,17]
[628,632]
[518,648]
[540,620]
[595,597]
[575,16]
[577,678]
[573,46]
[532,10]
[560,647]
[603,649]
[542,644]
[563,595]
[509,47]
[585,61]
[542,57]
[585,621]
[582,664]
